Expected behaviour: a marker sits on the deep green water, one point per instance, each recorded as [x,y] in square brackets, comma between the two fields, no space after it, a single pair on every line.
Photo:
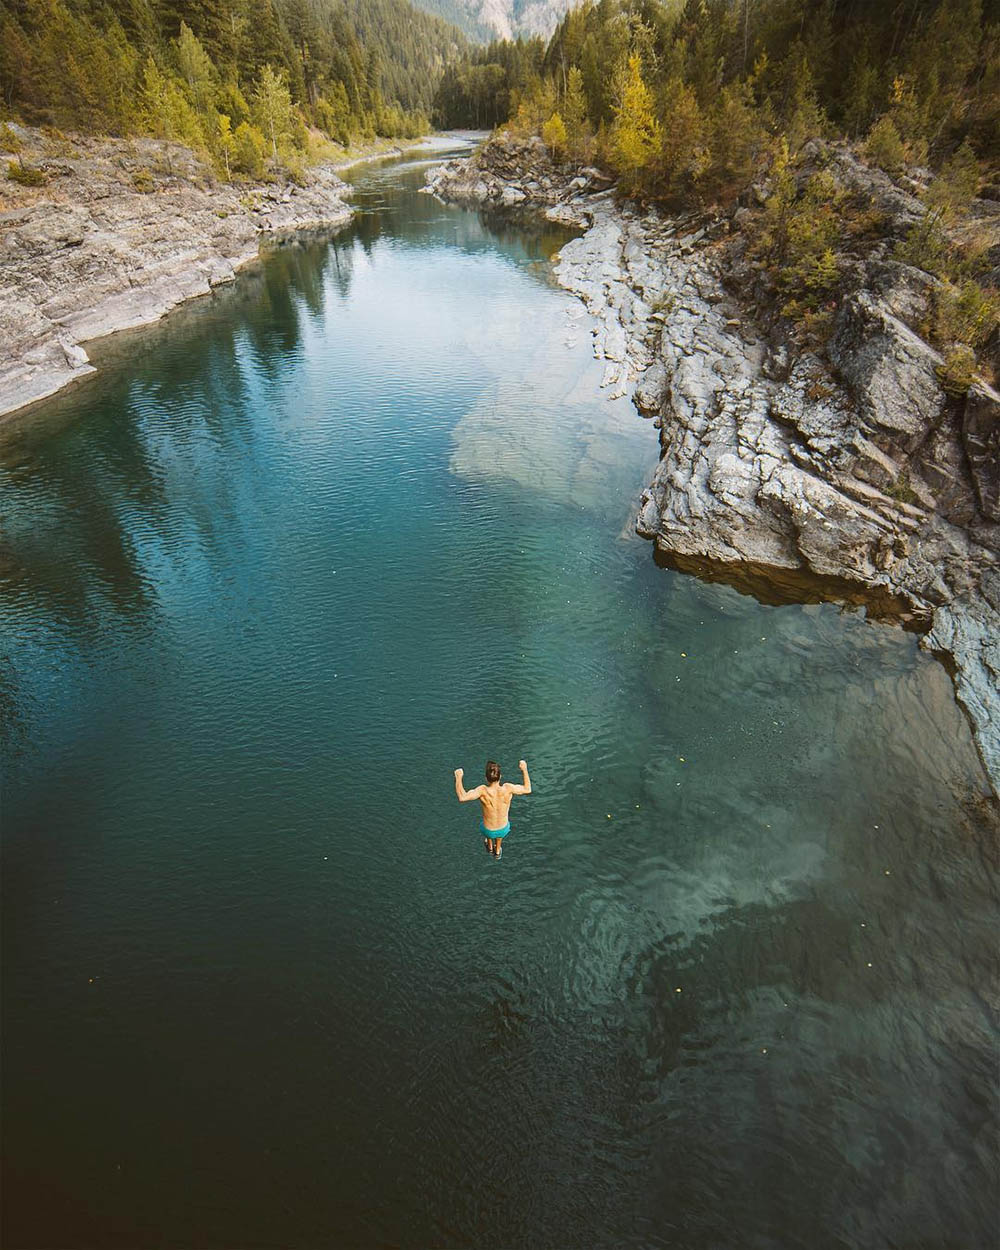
[293,557]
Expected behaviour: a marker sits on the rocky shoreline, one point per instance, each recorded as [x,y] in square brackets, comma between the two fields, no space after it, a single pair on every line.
[120,233]
[792,474]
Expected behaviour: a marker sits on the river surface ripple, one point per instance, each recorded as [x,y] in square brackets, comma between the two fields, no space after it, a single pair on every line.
[293,557]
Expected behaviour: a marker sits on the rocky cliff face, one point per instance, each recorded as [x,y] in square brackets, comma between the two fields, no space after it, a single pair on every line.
[504,19]
[846,473]
[120,233]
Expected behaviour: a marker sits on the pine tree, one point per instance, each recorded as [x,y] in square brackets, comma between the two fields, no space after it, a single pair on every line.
[737,142]
[195,66]
[910,120]
[248,150]
[863,95]
[884,147]
[956,184]
[224,140]
[684,154]
[579,136]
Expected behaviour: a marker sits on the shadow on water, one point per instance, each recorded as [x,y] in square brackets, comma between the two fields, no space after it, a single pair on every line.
[779,586]
[163,394]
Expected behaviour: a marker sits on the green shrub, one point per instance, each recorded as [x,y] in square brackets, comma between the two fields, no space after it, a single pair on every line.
[902,491]
[957,182]
[296,170]
[26,175]
[925,246]
[957,373]
[965,314]
[554,135]
[9,140]
[333,114]
[909,117]
[143,181]
[664,303]
[249,146]
[884,147]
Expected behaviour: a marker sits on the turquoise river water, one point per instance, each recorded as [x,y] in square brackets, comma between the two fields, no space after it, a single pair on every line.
[294,556]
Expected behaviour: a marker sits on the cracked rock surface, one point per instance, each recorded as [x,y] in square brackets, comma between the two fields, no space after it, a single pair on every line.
[90,252]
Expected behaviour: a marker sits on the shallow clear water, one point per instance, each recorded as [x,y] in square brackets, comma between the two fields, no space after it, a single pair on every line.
[292,558]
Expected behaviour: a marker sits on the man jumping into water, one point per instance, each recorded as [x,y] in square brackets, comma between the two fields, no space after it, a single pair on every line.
[495,799]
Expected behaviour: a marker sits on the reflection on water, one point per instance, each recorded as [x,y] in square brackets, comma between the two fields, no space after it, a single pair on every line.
[290,559]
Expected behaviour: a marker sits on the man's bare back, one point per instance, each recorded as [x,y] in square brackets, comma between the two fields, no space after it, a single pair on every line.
[494,799]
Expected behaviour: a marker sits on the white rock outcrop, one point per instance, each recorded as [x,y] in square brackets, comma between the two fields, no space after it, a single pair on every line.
[120,233]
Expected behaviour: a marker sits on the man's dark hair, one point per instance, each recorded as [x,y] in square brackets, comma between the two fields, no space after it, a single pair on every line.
[492,772]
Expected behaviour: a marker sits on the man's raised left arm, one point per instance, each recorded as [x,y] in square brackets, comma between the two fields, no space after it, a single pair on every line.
[525,787]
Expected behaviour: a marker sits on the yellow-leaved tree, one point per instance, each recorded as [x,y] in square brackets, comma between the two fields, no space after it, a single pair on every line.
[636,135]
[554,136]
[272,108]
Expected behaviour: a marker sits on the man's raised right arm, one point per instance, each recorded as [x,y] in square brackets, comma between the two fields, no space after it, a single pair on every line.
[465,795]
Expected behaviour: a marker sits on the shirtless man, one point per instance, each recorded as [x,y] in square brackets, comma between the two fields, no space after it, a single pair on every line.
[495,800]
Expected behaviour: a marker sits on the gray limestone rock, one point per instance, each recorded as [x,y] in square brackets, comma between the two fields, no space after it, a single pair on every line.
[981,439]
[890,370]
[965,629]
[515,173]
[651,390]
[128,232]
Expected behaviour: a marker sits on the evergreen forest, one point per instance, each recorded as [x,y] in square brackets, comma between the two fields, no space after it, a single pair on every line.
[243,82]
[683,98]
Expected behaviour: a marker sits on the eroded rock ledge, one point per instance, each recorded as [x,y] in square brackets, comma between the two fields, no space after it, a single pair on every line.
[119,234]
[850,476]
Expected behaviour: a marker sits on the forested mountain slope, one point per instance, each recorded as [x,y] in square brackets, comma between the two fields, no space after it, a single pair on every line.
[206,71]
[689,78]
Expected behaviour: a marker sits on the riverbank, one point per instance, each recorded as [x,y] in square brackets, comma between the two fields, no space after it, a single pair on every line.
[121,232]
[798,472]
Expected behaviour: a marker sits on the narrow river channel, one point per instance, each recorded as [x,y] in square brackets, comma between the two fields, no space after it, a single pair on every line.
[294,556]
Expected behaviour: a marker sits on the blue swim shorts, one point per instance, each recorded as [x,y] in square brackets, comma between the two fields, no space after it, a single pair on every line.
[496,833]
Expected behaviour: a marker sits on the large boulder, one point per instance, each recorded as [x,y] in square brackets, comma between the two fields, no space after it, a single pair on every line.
[891,372]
